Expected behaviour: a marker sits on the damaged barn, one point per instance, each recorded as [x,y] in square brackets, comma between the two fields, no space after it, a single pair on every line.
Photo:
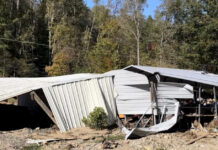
[144,100]
[65,99]
[175,93]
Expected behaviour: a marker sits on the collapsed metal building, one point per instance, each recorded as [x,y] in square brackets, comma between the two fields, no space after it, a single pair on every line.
[65,99]
[143,99]
[171,89]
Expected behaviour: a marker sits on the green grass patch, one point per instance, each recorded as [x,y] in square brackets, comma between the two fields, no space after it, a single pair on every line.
[161,149]
[115,137]
[32,147]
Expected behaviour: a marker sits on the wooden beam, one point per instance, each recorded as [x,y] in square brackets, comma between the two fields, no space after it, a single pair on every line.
[194,140]
[214,94]
[43,106]
[152,101]
[199,105]
[202,136]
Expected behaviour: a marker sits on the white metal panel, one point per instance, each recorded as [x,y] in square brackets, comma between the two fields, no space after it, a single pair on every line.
[163,126]
[133,92]
[169,105]
[72,101]
[174,90]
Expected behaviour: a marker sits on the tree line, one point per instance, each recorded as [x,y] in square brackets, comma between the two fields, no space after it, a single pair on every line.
[57,37]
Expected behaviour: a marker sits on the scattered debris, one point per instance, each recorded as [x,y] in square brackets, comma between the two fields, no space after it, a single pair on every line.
[96,140]
[202,136]
[38,142]
[109,145]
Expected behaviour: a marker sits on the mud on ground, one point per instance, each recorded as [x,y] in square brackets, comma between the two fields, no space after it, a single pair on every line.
[88,139]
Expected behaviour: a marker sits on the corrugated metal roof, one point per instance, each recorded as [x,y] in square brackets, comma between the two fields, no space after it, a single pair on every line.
[188,75]
[11,87]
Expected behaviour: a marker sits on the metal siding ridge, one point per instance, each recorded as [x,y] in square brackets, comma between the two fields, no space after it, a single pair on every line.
[74,106]
[50,98]
[69,107]
[62,106]
[108,97]
[64,101]
[70,104]
[78,105]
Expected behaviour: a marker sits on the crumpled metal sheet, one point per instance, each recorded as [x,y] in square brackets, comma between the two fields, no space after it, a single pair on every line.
[164,126]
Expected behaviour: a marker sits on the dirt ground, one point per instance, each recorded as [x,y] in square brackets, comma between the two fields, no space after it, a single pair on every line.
[85,138]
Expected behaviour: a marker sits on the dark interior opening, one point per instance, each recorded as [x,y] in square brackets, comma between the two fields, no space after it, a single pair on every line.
[25,113]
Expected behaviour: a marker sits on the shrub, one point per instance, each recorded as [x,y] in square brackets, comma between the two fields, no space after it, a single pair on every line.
[97,119]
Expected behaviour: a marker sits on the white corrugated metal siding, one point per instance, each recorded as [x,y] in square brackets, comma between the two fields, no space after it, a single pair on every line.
[168,91]
[174,90]
[70,102]
[133,92]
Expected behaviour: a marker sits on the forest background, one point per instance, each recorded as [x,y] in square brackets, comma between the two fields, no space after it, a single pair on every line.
[57,37]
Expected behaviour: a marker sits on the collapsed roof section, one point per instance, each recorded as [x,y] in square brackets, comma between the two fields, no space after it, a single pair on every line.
[70,97]
[12,87]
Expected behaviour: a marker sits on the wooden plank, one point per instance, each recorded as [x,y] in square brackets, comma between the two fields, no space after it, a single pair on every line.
[194,140]
[200,137]
[152,101]
[196,115]
[214,93]
[199,105]
[43,106]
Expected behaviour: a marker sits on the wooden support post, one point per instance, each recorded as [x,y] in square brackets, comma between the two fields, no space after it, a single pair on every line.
[42,105]
[199,105]
[214,95]
[152,102]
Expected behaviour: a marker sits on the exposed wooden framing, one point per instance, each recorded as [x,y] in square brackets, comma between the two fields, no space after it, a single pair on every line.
[156,102]
[199,105]
[196,115]
[152,102]
[43,106]
[214,94]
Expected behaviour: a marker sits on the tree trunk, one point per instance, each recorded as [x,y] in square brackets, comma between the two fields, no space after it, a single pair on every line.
[138,54]
[161,47]
[18,4]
